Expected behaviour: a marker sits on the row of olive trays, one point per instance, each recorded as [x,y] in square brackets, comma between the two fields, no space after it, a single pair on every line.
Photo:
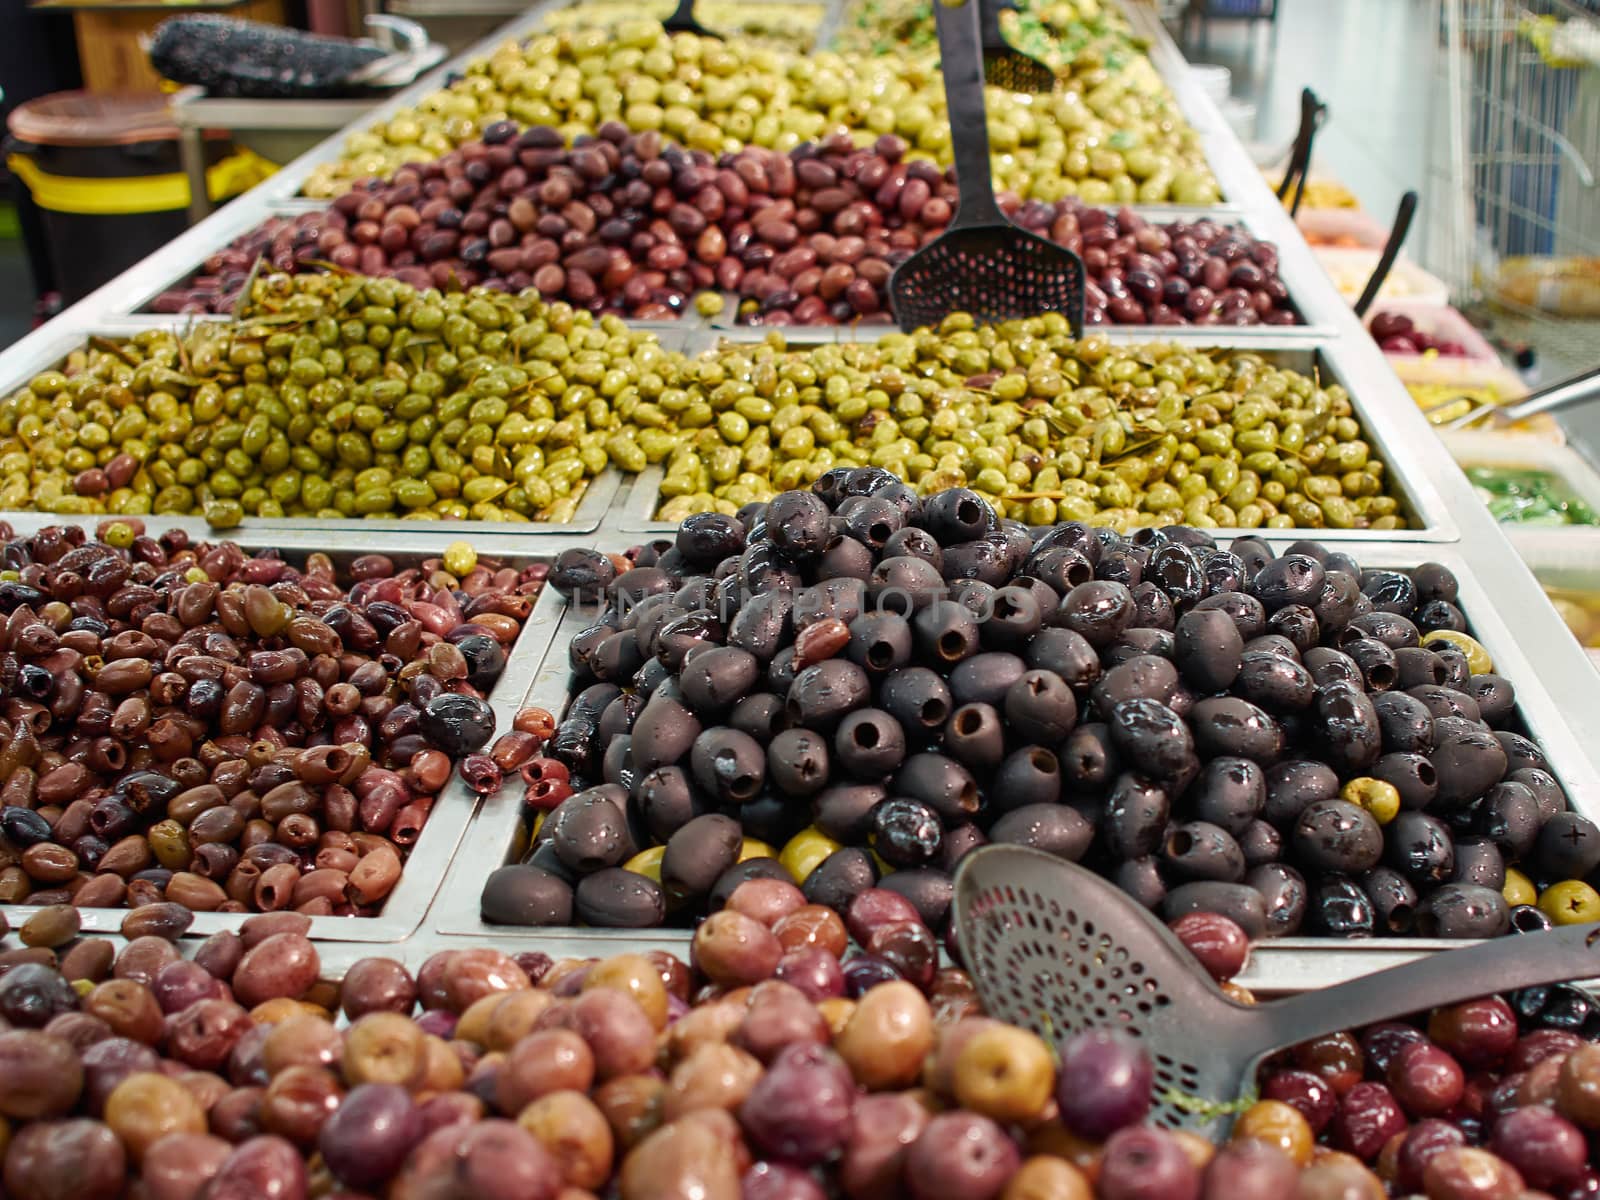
[436,903]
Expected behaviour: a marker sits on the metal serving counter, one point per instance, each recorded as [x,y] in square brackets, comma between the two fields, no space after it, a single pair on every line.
[436,906]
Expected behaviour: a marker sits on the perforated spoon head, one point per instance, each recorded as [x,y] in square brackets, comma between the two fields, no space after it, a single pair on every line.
[997,272]
[1006,67]
[1054,948]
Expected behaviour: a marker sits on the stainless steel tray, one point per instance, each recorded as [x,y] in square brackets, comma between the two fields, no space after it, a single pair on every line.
[1521,649]
[1433,519]
[427,866]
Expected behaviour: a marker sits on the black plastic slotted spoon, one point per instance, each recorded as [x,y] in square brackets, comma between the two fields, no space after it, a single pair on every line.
[1056,949]
[982,264]
[1003,64]
[682,21]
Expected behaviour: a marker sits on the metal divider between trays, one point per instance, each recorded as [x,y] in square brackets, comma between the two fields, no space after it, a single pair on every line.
[427,866]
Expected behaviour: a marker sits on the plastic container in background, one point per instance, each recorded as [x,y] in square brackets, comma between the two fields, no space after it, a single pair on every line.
[1566,564]
[1214,81]
[1433,381]
[1350,270]
[1562,471]
[1443,323]
[1346,228]
[1567,287]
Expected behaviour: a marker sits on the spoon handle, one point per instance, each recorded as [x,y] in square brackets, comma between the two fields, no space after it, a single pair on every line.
[1449,977]
[961,64]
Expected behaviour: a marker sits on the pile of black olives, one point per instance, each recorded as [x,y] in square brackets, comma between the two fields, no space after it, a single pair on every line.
[853,686]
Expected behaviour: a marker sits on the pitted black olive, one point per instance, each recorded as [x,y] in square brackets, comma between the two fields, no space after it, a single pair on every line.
[1134,642]
[930,890]
[1392,629]
[1461,910]
[1379,670]
[525,895]
[797,526]
[1230,793]
[1134,819]
[1273,643]
[1029,776]
[1227,725]
[1480,862]
[1420,848]
[1201,850]
[1120,566]
[1151,738]
[1509,815]
[1275,683]
[1291,786]
[1335,605]
[985,678]
[1568,846]
[974,735]
[1348,726]
[706,538]
[584,574]
[1330,666]
[845,558]
[1335,835]
[1298,623]
[1208,649]
[698,854]
[840,878]
[844,811]
[1066,653]
[1099,611]
[1245,610]
[1292,579]
[988,559]
[1390,592]
[1143,677]
[1089,762]
[1435,581]
[1440,614]
[1224,571]
[869,743]
[914,543]
[1394,900]
[1253,552]
[1151,607]
[958,515]
[1061,568]
[1284,897]
[906,833]
[1261,843]
[1418,666]
[1338,907]
[1495,696]
[1175,569]
[1520,752]
[1467,764]
[1040,708]
[1053,828]
[1141,879]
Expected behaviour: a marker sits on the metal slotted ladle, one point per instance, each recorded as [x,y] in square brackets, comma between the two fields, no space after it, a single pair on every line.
[1003,64]
[982,264]
[1557,397]
[1054,948]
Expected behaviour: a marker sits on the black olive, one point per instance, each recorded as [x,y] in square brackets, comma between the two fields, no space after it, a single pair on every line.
[718,678]
[617,763]
[618,899]
[1098,611]
[1292,579]
[1446,701]
[1143,677]
[1201,850]
[1420,848]
[1297,623]
[797,526]
[904,584]
[1224,571]
[917,698]
[1273,643]
[1339,908]
[1275,683]
[1253,553]
[958,515]
[1238,902]
[525,895]
[871,520]
[1260,843]
[1029,776]
[1061,568]
[975,596]
[706,538]
[880,642]
[1435,581]
[1230,793]
[1151,607]
[988,559]
[840,878]
[1176,570]
[452,722]
[1054,828]
[974,735]
[1283,897]
[24,826]
[1334,835]
[1141,879]
[1440,614]
[1039,707]
[985,678]
[1495,696]
[1509,815]
[1546,790]
[662,733]
[1134,819]
[958,842]
[1120,566]
[1152,738]
[581,573]
[906,833]
[1291,786]
[1521,753]
[822,694]
[1014,617]
[1335,604]
[1332,666]
[590,832]
[1467,764]
[677,639]
[634,586]
[929,889]
[1404,723]
[486,659]
[1394,900]
[666,801]
[1135,642]
[1479,861]
[1392,629]
[1525,918]
[844,811]
[838,599]
[763,624]
[869,743]
[1418,666]
[728,765]
[1458,672]
[1089,762]
[1208,649]
[941,783]
[1411,774]
[728,882]
[1066,653]
[1347,725]
[618,717]
[1245,610]
[699,853]
[1568,846]
[797,762]
[914,543]
[1391,592]
[1463,910]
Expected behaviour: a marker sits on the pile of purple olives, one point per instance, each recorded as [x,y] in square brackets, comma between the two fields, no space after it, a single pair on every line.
[853,686]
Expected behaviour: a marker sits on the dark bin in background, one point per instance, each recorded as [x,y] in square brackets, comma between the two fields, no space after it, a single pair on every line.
[103,170]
